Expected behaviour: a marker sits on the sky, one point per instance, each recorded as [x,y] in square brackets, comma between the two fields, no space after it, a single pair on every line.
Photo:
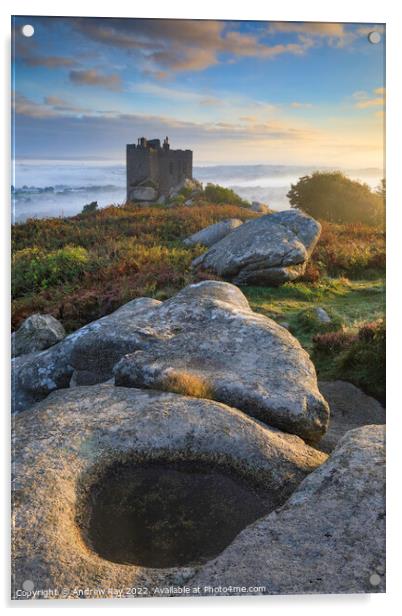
[235,92]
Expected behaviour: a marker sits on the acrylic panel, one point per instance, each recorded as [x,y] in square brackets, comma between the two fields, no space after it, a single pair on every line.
[198,301]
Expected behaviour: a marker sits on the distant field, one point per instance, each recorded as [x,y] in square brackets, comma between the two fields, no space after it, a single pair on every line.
[84,267]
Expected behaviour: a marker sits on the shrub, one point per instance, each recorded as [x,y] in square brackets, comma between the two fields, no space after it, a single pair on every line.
[364,361]
[334,197]
[33,268]
[333,341]
[90,207]
[358,357]
[352,250]
[218,194]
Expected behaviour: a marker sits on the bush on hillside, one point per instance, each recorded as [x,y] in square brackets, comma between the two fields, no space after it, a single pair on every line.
[334,197]
[218,194]
[34,269]
[90,207]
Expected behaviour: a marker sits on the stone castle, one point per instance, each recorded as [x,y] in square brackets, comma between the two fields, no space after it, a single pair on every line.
[154,170]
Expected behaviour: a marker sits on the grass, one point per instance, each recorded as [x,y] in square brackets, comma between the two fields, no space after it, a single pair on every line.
[337,350]
[83,267]
[350,303]
[187,384]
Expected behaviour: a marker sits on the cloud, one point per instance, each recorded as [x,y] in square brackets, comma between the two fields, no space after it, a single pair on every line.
[365,100]
[298,105]
[324,29]
[210,101]
[248,119]
[92,77]
[365,30]
[26,107]
[55,108]
[59,104]
[40,128]
[175,94]
[182,45]
[29,55]
[371,102]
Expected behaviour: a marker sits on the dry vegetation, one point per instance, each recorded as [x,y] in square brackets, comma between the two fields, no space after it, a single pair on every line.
[81,268]
[84,267]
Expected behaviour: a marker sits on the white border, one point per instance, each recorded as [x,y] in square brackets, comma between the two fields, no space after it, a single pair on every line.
[294,10]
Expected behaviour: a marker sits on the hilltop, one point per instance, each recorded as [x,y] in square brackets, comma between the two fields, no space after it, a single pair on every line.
[84,267]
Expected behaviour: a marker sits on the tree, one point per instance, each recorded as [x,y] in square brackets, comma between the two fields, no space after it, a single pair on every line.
[382,189]
[334,197]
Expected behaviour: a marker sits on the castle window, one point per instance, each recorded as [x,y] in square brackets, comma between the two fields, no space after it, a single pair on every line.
[171,168]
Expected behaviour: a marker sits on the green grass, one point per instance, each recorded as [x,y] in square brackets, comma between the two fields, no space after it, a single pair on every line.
[350,303]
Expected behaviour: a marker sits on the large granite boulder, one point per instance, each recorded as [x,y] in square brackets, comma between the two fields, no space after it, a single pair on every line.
[85,357]
[329,537]
[212,234]
[205,341]
[349,408]
[142,193]
[269,250]
[37,332]
[81,458]
[216,347]
[261,208]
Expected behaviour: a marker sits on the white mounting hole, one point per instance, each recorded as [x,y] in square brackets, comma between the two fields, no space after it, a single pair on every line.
[28,30]
[374,37]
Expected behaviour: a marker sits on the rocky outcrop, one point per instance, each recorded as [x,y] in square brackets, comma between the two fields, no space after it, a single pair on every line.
[329,537]
[272,249]
[191,185]
[212,234]
[37,332]
[142,193]
[205,341]
[216,347]
[69,442]
[257,206]
[87,356]
[349,408]
[322,316]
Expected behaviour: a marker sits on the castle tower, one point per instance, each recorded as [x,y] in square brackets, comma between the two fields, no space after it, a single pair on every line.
[154,167]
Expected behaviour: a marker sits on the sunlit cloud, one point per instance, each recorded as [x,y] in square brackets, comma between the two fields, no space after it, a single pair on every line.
[183,45]
[324,29]
[92,77]
[58,104]
[365,100]
[298,105]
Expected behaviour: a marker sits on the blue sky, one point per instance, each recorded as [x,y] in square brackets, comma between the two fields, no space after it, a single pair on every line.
[232,91]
